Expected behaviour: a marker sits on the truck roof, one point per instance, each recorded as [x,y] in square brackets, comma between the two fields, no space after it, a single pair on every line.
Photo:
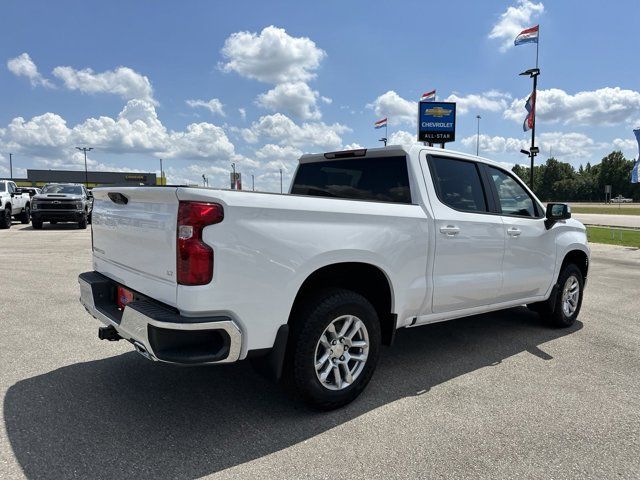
[413,149]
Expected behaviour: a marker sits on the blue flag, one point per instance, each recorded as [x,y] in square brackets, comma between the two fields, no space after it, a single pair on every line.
[635,173]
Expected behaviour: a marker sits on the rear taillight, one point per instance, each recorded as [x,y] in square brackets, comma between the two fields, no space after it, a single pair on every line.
[195,258]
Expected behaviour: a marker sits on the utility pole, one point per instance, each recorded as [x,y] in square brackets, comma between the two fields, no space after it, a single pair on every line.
[533,150]
[253,183]
[11,166]
[281,180]
[161,174]
[478,117]
[86,175]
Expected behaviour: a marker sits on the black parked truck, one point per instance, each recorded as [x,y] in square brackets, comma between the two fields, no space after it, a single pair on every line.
[62,202]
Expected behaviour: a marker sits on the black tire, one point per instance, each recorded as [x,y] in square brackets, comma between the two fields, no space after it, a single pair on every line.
[53,222]
[5,218]
[89,219]
[25,215]
[557,313]
[82,224]
[37,225]
[309,325]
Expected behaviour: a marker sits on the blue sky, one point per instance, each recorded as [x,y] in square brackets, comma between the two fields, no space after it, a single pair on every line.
[309,77]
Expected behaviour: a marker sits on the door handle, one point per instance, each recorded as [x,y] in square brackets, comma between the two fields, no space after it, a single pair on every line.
[450,230]
[514,232]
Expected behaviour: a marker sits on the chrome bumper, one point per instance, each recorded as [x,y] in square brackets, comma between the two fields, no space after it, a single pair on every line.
[137,318]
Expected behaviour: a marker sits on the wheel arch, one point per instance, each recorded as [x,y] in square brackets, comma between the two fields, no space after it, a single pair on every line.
[578,257]
[366,279]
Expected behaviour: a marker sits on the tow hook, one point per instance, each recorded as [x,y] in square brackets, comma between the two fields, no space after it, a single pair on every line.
[108,333]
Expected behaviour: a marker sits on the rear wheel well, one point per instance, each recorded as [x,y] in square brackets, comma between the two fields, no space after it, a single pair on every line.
[579,259]
[362,278]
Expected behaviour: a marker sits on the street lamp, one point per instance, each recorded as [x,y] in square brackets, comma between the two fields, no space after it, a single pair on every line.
[234,184]
[533,151]
[478,117]
[280,180]
[86,176]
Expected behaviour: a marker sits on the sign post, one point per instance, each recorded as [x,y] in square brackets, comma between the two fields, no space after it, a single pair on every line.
[437,122]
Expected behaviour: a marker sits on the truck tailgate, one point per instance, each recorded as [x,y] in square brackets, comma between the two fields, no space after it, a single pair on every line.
[134,238]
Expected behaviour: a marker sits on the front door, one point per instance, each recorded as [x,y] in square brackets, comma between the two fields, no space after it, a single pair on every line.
[530,249]
[469,241]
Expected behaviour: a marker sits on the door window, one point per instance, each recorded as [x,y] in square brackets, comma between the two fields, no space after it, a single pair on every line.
[458,184]
[514,199]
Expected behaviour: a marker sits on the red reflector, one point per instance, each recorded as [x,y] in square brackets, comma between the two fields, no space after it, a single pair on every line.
[124,296]
[194,257]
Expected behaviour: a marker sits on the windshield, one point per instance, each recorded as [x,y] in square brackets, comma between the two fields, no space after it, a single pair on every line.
[72,189]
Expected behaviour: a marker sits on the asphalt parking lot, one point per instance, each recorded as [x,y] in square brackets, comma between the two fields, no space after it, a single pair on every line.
[493,396]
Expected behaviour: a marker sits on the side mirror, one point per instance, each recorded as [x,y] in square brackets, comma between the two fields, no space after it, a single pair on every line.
[557,212]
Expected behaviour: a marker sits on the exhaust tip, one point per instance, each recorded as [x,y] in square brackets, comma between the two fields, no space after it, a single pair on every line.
[141,349]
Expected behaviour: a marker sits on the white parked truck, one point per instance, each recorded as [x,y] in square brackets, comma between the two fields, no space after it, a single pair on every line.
[309,284]
[13,203]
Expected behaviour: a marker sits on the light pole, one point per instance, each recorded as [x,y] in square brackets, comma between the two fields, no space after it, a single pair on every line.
[533,151]
[478,117]
[280,180]
[233,178]
[86,175]
[253,183]
[161,174]
[11,166]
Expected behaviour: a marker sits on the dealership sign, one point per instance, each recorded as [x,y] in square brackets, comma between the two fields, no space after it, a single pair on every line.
[437,122]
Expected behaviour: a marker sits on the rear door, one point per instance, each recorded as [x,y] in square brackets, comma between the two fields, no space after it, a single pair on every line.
[530,249]
[469,240]
[134,238]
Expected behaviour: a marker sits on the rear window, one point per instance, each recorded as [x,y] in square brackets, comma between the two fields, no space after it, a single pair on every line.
[381,179]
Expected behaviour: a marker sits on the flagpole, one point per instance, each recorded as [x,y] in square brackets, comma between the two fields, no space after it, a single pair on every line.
[537,46]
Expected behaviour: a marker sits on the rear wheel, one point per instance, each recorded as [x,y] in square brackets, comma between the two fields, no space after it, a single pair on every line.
[334,348]
[25,215]
[5,219]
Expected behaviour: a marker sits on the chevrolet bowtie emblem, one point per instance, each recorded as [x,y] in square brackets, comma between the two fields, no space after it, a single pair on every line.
[438,112]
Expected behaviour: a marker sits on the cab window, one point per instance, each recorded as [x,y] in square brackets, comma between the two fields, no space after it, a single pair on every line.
[458,184]
[514,199]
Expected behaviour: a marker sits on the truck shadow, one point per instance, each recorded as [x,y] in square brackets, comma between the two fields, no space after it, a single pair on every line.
[124,416]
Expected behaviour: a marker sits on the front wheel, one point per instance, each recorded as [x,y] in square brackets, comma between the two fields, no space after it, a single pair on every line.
[82,224]
[334,348]
[26,215]
[564,309]
[5,218]
[36,224]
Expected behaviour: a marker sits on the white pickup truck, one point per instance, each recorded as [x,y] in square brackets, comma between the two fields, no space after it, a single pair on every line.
[13,203]
[309,285]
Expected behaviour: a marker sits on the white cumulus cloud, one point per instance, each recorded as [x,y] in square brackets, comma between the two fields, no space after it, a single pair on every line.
[272,56]
[123,81]
[397,109]
[214,105]
[605,106]
[515,19]
[284,131]
[23,66]
[296,99]
[492,101]
[562,145]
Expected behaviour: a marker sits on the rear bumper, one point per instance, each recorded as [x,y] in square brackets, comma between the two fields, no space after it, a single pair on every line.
[158,332]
